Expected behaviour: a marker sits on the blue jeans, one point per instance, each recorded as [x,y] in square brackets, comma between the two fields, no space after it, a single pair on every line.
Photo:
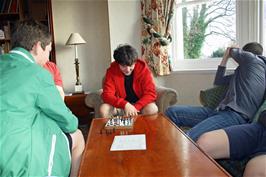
[203,119]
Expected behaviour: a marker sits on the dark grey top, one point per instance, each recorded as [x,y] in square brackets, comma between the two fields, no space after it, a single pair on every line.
[131,95]
[247,84]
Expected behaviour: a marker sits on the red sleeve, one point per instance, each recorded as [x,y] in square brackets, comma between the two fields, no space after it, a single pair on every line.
[149,92]
[52,68]
[109,92]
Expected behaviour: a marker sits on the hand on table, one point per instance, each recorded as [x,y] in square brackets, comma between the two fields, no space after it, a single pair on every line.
[130,110]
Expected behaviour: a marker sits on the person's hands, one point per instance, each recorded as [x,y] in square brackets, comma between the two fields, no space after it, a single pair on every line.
[130,110]
[234,45]
[225,57]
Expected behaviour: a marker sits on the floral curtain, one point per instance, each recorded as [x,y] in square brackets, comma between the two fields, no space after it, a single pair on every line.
[156,20]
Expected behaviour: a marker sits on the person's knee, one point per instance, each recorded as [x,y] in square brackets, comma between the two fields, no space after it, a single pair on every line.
[169,111]
[204,142]
[256,167]
[257,171]
[105,110]
[150,109]
[172,113]
[78,140]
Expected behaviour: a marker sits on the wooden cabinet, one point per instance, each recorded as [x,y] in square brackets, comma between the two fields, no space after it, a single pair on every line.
[76,103]
[14,10]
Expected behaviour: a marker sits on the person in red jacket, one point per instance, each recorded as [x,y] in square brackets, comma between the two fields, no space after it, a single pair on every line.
[128,85]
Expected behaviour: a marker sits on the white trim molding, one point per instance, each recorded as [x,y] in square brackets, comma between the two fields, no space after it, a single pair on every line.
[248,21]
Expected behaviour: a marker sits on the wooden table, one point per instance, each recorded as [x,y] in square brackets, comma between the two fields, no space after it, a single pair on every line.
[170,153]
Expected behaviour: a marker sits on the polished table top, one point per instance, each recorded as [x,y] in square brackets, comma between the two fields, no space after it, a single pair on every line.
[169,153]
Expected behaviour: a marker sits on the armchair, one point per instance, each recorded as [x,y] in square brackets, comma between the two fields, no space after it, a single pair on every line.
[165,97]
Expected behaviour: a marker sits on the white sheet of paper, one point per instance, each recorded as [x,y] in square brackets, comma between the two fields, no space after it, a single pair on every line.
[129,142]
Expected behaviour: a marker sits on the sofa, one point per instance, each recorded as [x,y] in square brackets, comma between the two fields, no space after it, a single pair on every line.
[165,98]
[211,98]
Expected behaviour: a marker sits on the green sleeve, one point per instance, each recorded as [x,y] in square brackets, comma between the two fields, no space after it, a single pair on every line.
[50,103]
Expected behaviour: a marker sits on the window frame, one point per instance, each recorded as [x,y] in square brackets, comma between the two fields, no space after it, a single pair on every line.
[263,26]
[251,10]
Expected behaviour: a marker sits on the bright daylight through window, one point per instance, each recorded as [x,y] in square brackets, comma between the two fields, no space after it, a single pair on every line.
[202,29]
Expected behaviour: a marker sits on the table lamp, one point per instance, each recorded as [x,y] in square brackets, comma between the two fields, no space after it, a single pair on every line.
[75,39]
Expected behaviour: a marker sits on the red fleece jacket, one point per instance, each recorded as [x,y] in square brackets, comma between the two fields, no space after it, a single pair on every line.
[143,85]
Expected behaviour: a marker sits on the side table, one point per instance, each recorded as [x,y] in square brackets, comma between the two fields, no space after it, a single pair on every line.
[76,103]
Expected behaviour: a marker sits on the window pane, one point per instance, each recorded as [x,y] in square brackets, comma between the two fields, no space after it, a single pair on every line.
[203,30]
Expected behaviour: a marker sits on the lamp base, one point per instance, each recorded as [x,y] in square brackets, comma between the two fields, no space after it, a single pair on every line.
[78,89]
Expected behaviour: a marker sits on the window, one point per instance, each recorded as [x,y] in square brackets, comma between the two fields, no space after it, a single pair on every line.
[202,29]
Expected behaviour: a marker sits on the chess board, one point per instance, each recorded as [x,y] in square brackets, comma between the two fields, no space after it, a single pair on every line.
[120,123]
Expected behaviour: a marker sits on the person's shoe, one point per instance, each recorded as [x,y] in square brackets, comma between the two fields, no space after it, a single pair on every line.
[262,118]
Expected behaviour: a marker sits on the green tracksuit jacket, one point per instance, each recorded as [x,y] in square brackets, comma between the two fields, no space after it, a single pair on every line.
[33,119]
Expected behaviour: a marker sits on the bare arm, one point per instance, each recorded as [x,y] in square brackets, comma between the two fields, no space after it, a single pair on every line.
[53,104]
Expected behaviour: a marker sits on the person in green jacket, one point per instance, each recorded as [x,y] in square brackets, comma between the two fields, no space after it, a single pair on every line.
[38,133]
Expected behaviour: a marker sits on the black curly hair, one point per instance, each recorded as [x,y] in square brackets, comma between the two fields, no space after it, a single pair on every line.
[125,55]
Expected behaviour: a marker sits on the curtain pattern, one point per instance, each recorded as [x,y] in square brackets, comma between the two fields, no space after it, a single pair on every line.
[156,20]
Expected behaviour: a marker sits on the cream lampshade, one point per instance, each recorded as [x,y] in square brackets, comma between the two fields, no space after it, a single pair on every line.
[75,39]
